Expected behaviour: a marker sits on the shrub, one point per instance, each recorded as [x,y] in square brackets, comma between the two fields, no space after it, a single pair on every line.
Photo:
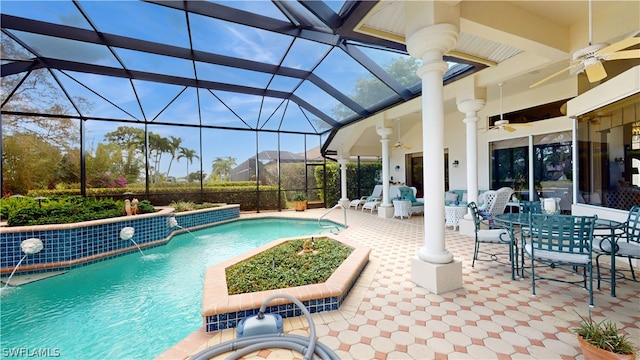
[282,266]
[68,209]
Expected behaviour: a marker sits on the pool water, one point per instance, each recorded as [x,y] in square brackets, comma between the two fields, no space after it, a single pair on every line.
[133,306]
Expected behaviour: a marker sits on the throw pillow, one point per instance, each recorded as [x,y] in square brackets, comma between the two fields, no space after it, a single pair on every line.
[449,196]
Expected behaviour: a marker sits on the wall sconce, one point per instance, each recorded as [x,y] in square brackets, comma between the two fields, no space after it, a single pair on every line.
[619,161]
[456,163]
[397,168]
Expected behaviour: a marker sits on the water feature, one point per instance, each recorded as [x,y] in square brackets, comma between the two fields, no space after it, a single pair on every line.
[173,223]
[127,233]
[131,306]
[29,247]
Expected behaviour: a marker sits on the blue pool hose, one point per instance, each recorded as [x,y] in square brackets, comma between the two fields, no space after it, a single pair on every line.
[307,346]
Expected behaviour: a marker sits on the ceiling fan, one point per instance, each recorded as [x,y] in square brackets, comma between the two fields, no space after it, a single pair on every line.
[503,124]
[398,143]
[589,59]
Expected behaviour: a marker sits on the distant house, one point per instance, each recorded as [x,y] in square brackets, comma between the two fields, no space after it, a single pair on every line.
[246,170]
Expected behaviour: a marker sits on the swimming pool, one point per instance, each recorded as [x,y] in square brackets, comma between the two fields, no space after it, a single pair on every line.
[132,306]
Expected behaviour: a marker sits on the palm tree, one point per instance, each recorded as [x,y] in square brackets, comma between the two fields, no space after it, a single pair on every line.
[189,155]
[174,146]
[221,167]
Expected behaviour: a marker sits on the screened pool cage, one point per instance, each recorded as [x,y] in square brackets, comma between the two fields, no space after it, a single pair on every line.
[192,101]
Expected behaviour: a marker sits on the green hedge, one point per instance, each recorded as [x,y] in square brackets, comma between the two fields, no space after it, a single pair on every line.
[241,192]
[64,210]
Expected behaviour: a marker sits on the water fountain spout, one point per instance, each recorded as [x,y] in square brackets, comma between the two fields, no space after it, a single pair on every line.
[173,223]
[127,233]
[29,247]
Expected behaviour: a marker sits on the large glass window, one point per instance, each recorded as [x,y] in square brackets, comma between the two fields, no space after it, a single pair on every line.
[552,167]
[609,155]
[510,166]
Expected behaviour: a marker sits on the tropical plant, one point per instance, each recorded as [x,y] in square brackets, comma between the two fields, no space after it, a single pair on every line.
[604,335]
[188,154]
[221,168]
[299,196]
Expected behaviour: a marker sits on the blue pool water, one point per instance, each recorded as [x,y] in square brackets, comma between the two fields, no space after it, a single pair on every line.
[132,306]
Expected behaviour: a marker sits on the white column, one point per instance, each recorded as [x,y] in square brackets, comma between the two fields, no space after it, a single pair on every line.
[386,208]
[344,200]
[470,108]
[430,44]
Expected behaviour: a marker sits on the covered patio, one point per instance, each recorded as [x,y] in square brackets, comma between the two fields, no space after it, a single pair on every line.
[387,316]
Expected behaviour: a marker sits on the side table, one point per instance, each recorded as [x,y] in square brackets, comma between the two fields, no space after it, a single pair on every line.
[453,214]
[402,208]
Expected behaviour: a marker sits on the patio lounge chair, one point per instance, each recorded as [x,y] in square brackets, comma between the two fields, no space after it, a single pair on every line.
[375,195]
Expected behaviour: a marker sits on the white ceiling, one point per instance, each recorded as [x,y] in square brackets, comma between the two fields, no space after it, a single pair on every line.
[541,34]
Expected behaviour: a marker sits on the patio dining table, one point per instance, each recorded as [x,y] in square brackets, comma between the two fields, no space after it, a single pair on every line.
[604,229]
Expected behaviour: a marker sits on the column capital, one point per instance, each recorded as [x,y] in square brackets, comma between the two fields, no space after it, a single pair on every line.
[432,42]
[343,161]
[471,106]
[384,132]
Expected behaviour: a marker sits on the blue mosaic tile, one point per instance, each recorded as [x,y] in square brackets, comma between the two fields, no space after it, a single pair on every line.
[79,243]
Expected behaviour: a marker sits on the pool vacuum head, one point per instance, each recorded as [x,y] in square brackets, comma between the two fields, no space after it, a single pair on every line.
[261,324]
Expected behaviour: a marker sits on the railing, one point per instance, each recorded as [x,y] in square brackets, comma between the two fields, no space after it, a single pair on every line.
[325,226]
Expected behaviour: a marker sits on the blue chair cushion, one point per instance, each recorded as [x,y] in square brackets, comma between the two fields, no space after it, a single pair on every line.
[407,194]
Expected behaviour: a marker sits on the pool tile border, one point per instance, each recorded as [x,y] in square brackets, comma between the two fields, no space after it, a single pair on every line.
[222,311]
[68,246]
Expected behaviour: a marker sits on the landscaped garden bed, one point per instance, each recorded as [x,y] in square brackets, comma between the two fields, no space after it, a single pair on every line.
[222,310]
[287,265]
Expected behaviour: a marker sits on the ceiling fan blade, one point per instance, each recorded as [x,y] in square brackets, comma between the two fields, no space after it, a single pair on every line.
[627,54]
[596,72]
[622,44]
[509,128]
[551,76]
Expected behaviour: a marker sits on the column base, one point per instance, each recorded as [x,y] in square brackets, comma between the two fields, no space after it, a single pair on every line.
[385,211]
[467,227]
[437,278]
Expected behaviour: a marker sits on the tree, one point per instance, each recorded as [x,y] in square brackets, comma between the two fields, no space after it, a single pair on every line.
[158,145]
[174,147]
[221,168]
[27,163]
[196,176]
[369,90]
[189,155]
[131,142]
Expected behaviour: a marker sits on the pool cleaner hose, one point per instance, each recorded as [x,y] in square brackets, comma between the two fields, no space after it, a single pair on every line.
[309,347]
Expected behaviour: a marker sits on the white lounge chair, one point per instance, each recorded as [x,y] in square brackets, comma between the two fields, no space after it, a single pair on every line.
[375,195]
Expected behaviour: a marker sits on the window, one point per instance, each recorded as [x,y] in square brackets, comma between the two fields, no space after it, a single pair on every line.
[552,166]
[609,154]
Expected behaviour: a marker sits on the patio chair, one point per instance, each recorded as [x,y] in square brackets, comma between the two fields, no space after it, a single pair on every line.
[627,245]
[495,203]
[489,236]
[557,241]
[375,195]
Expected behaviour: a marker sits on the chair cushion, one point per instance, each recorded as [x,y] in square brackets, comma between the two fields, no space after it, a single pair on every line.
[556,256]
[406,194]
[624,248]
[449,196]
[493,235]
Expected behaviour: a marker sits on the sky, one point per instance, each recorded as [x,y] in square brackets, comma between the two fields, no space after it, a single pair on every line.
[118,98]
